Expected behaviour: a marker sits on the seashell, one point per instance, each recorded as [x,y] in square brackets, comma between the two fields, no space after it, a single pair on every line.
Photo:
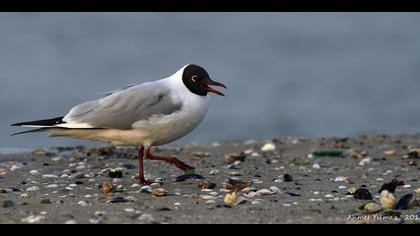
[249,189]
[372,207]
[233,157]
[391,186]
[390,153]
[341,179]
[268,147]
[362,194]
[146,189]
[387,200]
[274,189]
[406,202]
[230,198]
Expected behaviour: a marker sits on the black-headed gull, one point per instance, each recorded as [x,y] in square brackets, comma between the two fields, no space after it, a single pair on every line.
[144,115]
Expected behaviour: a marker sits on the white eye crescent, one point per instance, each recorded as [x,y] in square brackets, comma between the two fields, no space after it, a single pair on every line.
[194,78]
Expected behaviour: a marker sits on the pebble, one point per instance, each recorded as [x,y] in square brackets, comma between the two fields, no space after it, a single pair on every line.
[341,179]
[56,159]
[208,197]
[33,219]
[342,187]
[48,176]
[160,192]
[136,186]
[365,161]
[82,203]
[52,186]
[34,172]
[316,166]
[45,201]
[159,180]
[146,189]
[214,172]
[268,147]
[388,172]
[287,178]
[32,189]
[329,196]
[70,222]
[407,186]
[257,202]
[155,185]
[417,191]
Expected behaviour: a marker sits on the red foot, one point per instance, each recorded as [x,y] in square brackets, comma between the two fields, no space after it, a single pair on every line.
[172,160]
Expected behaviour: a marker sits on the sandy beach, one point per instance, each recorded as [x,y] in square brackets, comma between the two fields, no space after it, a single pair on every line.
[286,181]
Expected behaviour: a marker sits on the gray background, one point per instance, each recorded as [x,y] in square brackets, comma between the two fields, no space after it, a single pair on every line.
[289,74]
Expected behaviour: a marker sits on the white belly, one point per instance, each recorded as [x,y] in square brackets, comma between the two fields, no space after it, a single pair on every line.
[157,130]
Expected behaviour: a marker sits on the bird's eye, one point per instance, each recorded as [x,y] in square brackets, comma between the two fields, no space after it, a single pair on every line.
[194,78]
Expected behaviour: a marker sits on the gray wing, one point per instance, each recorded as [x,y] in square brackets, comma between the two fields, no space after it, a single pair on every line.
[121,109]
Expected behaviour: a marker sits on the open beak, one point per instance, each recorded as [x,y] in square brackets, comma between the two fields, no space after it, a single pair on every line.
[213,83]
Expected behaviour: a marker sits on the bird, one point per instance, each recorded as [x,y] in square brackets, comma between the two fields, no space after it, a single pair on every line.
[142,115]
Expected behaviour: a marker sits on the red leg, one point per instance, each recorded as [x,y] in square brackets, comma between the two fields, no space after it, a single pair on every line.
[143,181]
[172,160]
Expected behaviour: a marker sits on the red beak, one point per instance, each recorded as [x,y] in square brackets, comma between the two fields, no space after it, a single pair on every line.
[211,90]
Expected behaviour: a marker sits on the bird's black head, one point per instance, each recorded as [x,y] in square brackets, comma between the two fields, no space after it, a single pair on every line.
[197,80]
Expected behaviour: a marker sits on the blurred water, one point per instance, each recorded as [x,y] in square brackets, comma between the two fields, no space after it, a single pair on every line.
[289,74]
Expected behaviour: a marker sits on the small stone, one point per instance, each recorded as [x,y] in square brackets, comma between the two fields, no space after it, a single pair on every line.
[287,178]
[146,189]
[34,172]
[7,204]
[118,200]
[33,219]
[214,172]
[407,186]
[208,197]
[234,173]
[390,153]
[342,187]
[365,161]
[316,166]
[136,186]
[82,203]
[159,181]
[417,191]
[155,185]
[48,176]
[114,173]
[45,201]
[32,189]
[70,222]
[257,202]
[56,159]
[341,179]
[160,192]
[106,188]
[329,196]
[268,147]
[52,186]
